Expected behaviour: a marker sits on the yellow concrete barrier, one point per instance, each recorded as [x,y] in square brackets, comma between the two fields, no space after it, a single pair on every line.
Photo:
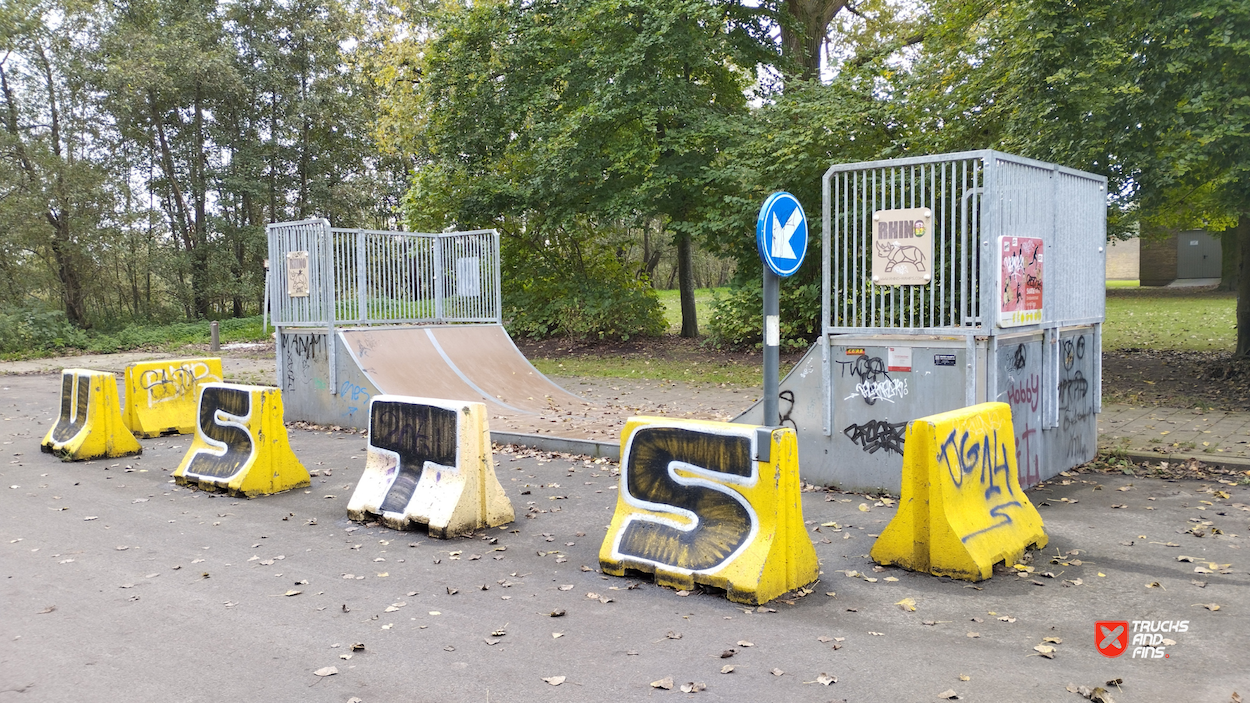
[430,463]
[713,503]
[161,396]
[240,444]
[961,509]
[90,423]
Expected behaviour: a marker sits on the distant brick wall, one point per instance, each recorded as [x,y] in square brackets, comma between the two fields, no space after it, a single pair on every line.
[1123,259]
[1158,261]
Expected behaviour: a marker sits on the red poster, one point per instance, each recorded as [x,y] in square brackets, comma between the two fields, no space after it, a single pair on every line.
[1020,290]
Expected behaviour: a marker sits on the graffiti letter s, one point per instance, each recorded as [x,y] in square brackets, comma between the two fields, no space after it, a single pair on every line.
[224,413]
[711,522]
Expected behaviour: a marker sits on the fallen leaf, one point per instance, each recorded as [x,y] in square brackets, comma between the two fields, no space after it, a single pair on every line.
[358,646]
[777,672]
[1155,584]
[1045,650]
[566,587]
[965,677]
[744,643]
[949,694]
[326,671]
[907,605]
[557,613]
[554,680]
[292,592]
[824,679]
[974,635]
[683,593]
[47,610]
[727,669]
[824,638]
[556,635]
[1209,606]
[693,687]
[665,683]
[1184,558]
[728,653]
[1053,640]
[673,635]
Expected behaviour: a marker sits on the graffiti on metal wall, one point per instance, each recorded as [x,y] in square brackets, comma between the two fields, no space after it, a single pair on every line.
[723,521]
[1075,402]
[223,417]
[1024,395]
[875,435]
[359,396]
[301,349]
[417,434]
[874,380]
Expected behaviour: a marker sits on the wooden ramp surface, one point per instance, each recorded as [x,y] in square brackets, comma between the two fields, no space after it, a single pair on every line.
[455,362]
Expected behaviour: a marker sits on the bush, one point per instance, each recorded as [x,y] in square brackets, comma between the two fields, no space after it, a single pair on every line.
[32,331]
[737,319]
[607,304]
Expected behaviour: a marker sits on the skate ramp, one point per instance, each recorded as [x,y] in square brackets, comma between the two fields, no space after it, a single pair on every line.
[463,362]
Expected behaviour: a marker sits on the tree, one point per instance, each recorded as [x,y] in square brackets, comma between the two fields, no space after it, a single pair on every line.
[555,120]
[1155,96]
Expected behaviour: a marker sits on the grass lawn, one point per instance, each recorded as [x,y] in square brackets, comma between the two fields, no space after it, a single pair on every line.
[1170,318]
[702,306]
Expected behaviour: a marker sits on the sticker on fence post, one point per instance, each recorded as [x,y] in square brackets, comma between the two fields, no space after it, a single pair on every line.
[902,251]
[714,503]
[162,396]
[241,446]
[297,274]
[1020,281]
[962,509]
[429,462]
[90,423]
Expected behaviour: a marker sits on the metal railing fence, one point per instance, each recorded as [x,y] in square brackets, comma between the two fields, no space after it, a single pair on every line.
[368,277]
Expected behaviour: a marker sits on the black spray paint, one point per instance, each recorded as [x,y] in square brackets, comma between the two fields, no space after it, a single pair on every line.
[233,402]
[417,433]
[723,523]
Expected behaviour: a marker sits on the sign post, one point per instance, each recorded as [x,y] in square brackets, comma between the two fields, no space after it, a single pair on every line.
[781,238]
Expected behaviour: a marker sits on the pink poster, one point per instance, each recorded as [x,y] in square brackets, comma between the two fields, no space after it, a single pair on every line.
[1020,294]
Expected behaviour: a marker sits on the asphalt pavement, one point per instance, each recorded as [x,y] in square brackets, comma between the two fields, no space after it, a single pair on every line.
[118,585]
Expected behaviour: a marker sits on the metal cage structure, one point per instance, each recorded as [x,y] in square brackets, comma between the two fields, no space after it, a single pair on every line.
[891,353]
[325,277]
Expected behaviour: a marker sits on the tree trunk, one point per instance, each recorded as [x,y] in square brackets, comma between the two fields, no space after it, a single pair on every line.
[802,43]
[1230,259]
[685,282]
[1243,287]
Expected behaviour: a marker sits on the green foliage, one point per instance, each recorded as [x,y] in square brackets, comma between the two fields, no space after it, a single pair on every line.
[32,331]
[605,303]
[737,319]
[35,333]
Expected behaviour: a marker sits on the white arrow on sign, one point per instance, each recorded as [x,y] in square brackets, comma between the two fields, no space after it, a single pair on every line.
[781,248]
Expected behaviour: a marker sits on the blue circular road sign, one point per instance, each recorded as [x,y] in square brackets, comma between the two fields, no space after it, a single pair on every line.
[781,234]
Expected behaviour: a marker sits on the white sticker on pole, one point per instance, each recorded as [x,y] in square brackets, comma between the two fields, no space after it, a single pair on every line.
[899,359]
[772,330]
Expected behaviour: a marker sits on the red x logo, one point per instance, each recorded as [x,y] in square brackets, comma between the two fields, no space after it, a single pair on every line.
[1111,637]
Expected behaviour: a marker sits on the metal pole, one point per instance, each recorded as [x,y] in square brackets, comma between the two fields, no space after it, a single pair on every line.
[772,340]
[214,337]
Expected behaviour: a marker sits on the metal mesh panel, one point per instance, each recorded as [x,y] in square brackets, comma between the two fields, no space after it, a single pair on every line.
[376,277]
[951,189]
[975,198]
